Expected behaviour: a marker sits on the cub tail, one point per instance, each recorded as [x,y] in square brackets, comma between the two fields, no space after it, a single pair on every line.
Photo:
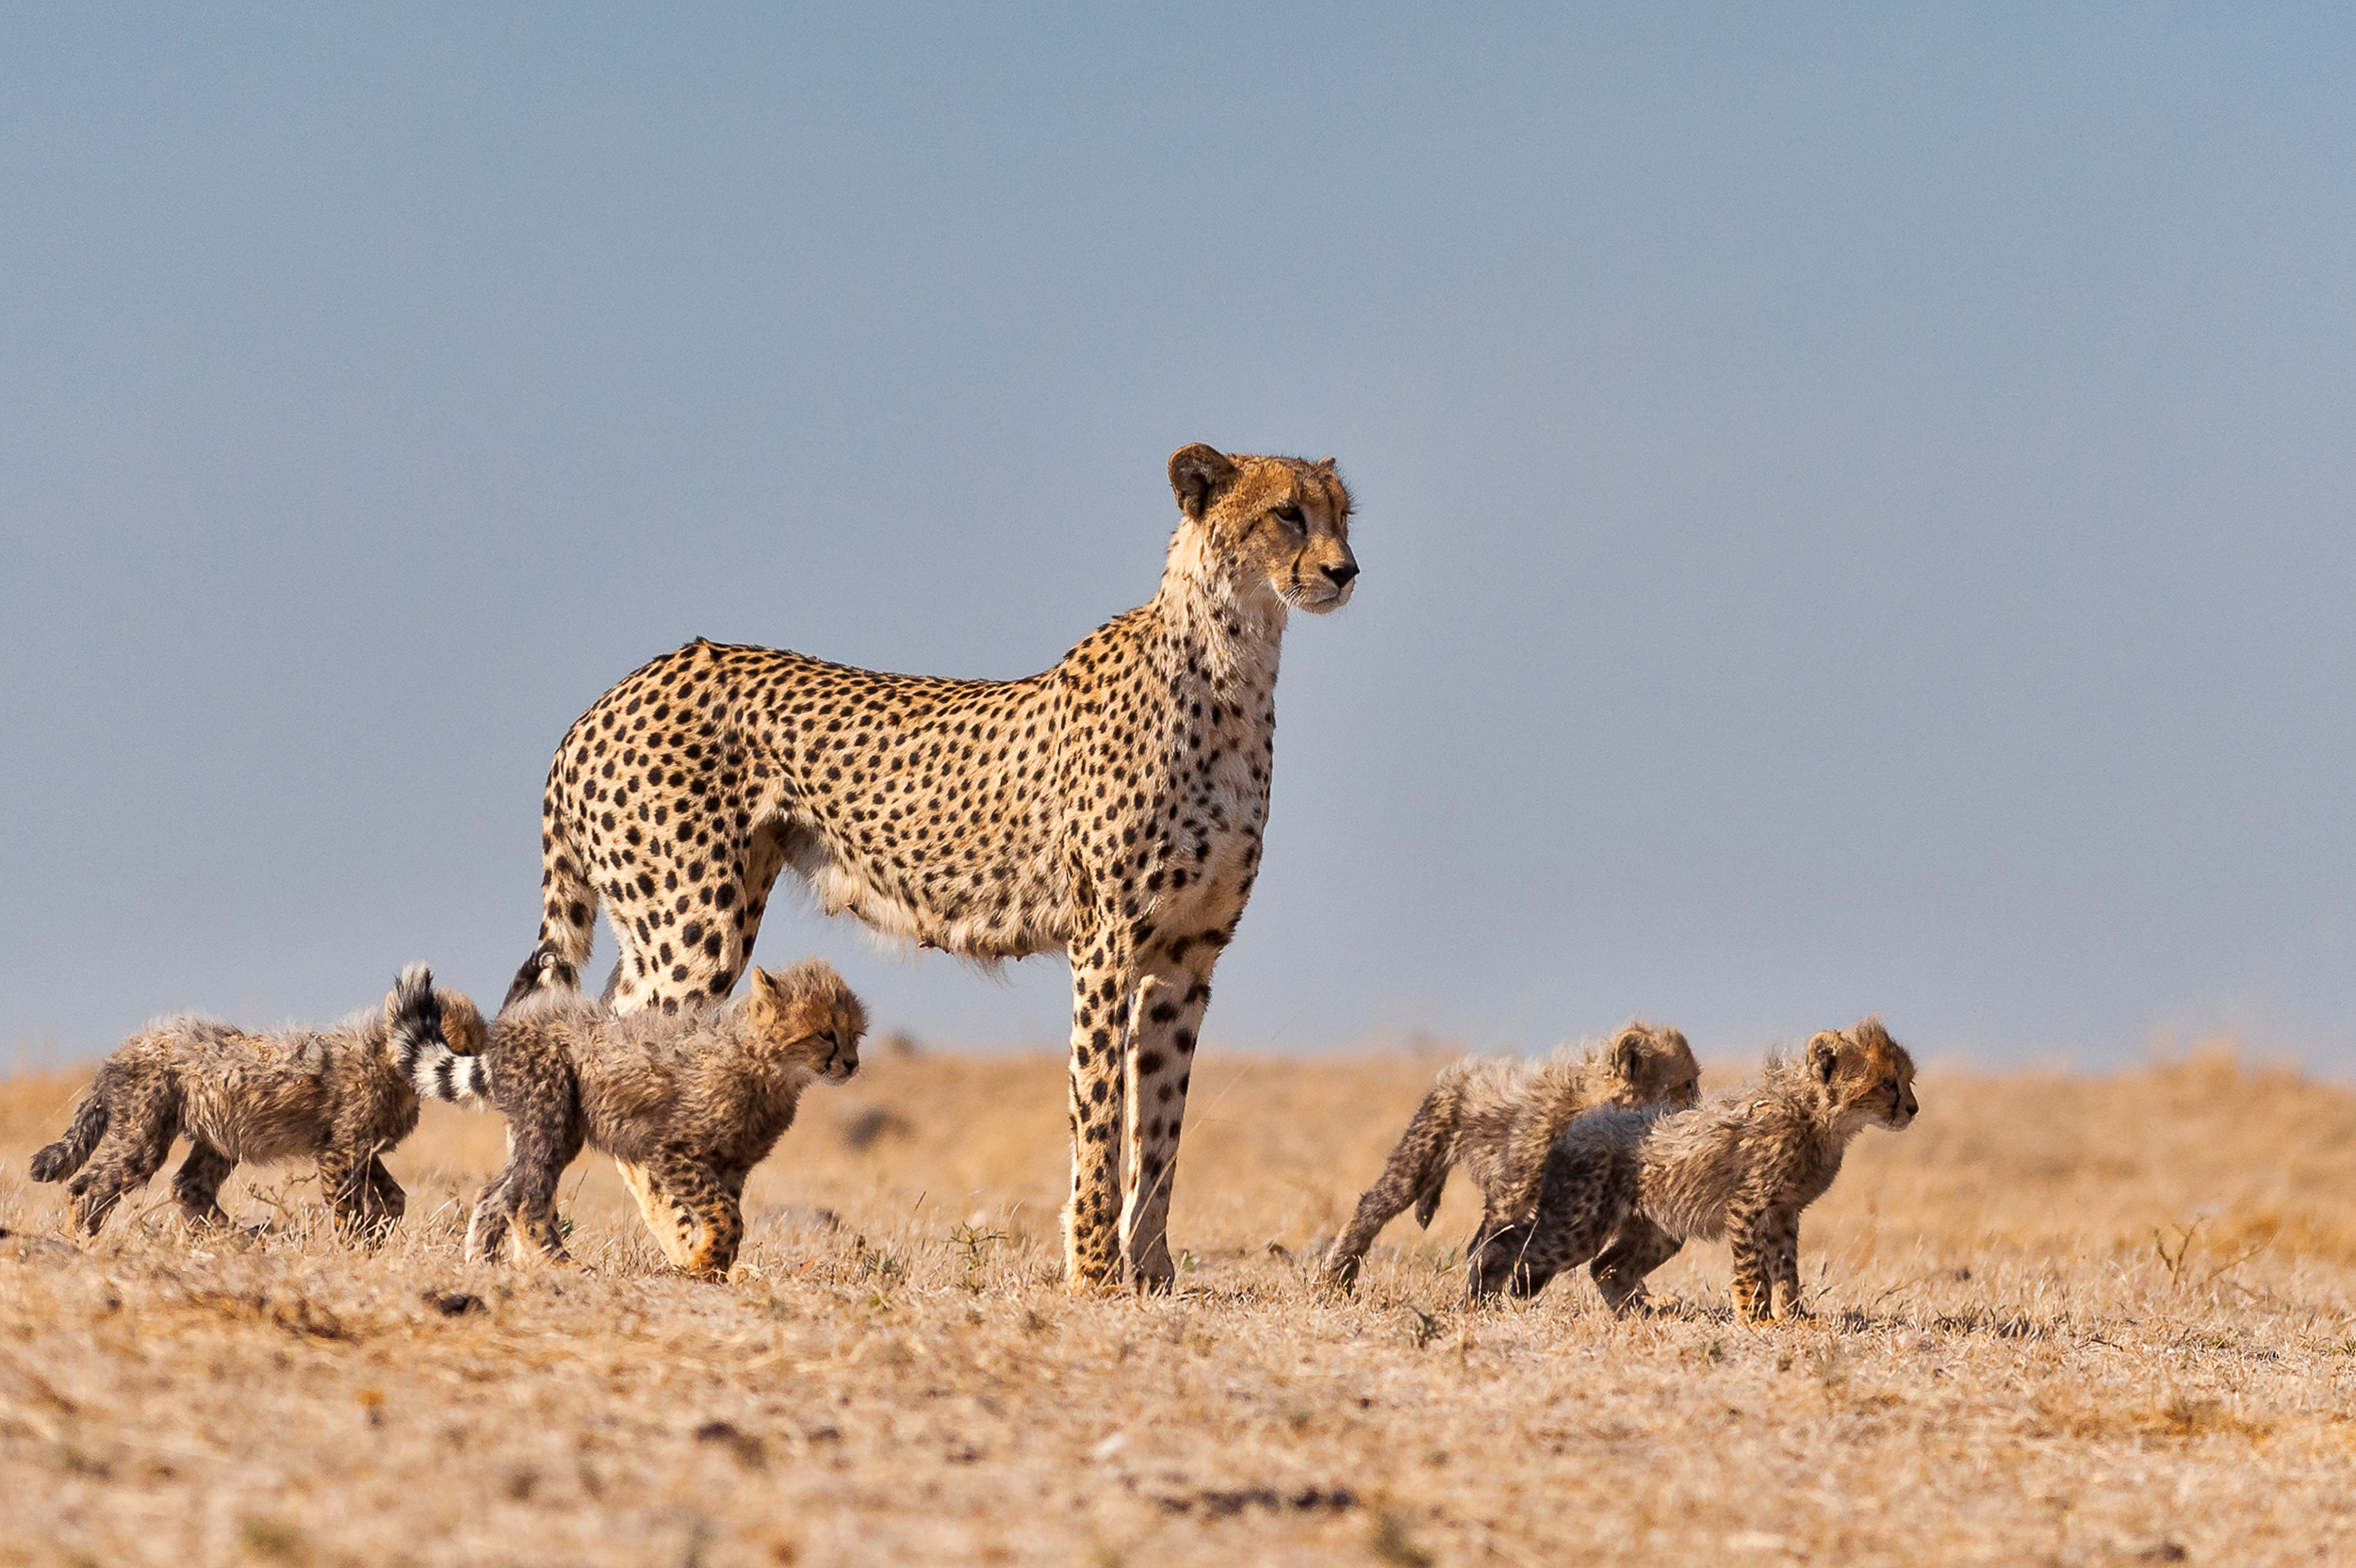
[421,1052]
[1414,1175]
[64,1157]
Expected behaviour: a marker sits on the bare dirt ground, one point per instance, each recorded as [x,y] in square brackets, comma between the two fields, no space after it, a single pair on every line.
[2063,1319]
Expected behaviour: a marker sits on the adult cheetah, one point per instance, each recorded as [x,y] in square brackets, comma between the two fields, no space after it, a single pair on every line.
[1110,807]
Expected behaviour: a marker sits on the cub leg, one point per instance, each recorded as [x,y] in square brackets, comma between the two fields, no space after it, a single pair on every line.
[487,1229]
[1619,1270]
[138,1138]
[1765,1241]
[1781,1247]
[701,1199]
[1416,1174]
[196,1185]
[671,1232]
[639,982]
[386,1193]
[1500,1260]
[520,1206]
[354,1182]
[531,1194]
[1580,1206]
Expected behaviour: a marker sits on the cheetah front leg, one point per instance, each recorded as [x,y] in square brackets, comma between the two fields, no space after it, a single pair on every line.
[1098,1023]
[1164,1019]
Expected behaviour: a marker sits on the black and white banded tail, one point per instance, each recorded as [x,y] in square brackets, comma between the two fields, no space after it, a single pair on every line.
[421,1052]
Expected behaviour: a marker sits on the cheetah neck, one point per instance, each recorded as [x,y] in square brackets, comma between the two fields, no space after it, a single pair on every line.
[1234,629]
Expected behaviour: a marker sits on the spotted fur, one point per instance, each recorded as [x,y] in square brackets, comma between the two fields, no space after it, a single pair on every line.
[695,1100]
[1110,809]
[1499,1118]
[338,1096]
[1740,1166]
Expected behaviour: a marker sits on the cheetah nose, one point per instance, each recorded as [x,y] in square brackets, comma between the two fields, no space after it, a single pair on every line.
[1343,573]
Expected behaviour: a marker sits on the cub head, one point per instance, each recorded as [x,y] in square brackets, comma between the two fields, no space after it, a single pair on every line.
[808,1015]
[1650,1065]
[1867,1075]
[1278,520]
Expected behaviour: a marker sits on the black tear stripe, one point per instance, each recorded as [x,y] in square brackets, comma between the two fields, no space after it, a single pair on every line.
[1298,556]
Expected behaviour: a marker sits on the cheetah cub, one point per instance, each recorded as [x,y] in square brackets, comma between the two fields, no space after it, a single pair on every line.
[696,1099]
[1741,1166]
[1497,1119]
[340,1096]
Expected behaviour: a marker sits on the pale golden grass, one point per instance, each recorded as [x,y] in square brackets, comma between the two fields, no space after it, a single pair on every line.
[2063,1319]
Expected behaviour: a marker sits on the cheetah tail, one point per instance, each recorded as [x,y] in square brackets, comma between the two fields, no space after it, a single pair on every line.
[64,1157]
[569,912]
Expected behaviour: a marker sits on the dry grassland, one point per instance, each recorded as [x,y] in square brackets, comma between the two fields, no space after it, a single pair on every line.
[2063,1319]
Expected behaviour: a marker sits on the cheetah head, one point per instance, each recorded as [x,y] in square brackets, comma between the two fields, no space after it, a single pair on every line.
[1277,520]
[808,1016]
[1651,1065]
[1867,1075]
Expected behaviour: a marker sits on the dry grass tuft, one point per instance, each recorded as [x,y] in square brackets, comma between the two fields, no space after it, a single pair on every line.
[2063,1319]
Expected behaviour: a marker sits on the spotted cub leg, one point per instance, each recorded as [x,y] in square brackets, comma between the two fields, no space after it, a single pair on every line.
[1619,1271]
[702,1203]
[520,1206]
[530,1192]
[196,1185]
[487,1228]
[386,1194]
[672,1232]
[363,1204]
[1765,1243]
[1415,1175]
[1583,1198]
[138,1138]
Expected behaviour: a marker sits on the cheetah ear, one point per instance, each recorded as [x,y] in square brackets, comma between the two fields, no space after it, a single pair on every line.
[1823,1055]
[1198,475]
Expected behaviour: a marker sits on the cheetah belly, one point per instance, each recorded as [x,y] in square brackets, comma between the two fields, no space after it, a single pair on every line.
[1003,904]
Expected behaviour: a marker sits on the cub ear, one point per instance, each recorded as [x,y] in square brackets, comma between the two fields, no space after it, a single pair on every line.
[1198,475]
[1627,1054]
[1823,1055]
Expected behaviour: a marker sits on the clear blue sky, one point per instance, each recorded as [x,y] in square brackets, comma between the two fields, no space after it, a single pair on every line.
[1858,509]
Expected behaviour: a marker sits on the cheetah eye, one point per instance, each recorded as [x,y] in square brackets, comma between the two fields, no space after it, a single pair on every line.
[1289,513]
